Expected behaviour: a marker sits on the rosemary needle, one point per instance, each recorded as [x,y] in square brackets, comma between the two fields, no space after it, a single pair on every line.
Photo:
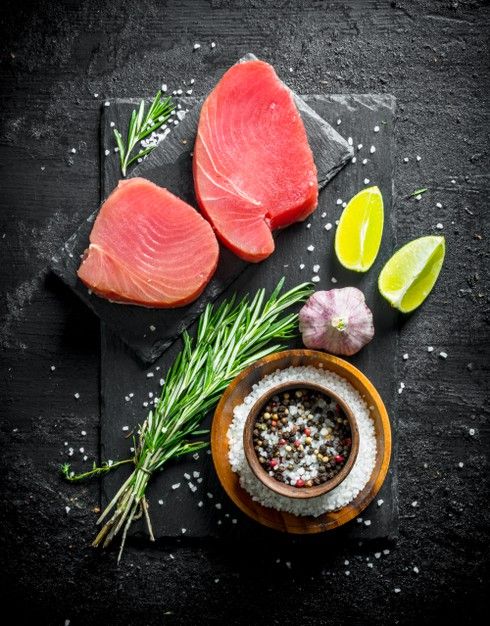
[141,125]
[229,338]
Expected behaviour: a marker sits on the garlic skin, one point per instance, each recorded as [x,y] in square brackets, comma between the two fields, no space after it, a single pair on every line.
[337,321]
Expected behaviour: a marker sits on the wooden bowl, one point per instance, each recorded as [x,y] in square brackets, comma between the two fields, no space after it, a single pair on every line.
[234,395]
[269,481]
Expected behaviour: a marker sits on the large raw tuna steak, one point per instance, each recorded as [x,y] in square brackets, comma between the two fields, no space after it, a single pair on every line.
[253,166]
[149,248]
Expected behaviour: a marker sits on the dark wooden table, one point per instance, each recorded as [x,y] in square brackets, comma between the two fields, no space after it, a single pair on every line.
[55,58]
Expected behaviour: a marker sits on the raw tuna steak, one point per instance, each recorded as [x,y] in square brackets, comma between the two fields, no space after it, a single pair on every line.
[149,248]
[253,167]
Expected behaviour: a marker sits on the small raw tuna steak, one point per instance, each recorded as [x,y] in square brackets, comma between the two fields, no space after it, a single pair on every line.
[149,248]
[253,166]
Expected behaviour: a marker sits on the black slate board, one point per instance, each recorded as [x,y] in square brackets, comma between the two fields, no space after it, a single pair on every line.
[121,374]
[150,331]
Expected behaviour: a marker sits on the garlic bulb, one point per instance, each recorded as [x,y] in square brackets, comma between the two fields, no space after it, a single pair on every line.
[338,321]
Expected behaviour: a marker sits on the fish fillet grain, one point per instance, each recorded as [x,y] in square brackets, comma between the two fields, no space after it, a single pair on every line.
[149,248]
[253,167]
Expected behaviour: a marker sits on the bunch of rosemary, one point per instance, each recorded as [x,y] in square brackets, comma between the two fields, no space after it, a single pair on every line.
[229,338]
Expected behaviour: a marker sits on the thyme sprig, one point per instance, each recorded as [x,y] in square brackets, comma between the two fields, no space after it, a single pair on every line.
[229,338]
[141,125]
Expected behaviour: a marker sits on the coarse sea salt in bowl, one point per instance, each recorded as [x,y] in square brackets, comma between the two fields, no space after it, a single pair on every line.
[300,439]
[296,515]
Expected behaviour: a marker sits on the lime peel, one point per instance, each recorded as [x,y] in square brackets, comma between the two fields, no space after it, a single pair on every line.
[360,230]
[410,274]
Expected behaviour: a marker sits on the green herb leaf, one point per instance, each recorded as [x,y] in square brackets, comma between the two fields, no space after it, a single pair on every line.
[419,192]
[141,126]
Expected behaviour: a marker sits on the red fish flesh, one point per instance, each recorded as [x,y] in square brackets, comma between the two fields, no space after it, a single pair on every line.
[253,167]
[149,248]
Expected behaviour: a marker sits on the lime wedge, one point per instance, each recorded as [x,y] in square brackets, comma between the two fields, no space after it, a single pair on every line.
[360,229]
[408,277]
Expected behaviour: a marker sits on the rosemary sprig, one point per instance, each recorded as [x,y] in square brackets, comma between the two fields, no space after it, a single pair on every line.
[229,338]
[418,192]
[141,125]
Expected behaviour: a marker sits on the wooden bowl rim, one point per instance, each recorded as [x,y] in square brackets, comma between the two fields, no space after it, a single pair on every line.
[269,481]
[286,522]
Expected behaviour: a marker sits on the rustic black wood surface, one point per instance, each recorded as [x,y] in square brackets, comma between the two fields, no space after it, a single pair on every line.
[121,374]
[432,57]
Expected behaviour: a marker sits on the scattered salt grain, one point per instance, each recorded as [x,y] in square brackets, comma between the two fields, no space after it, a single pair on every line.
[82,450]
[397,589]
[350,141]
[184,530]
[164,87]
[354,159]
[192,81]
[347,573]
[96,95]
[339,201]
[160,502]
[301,266]
[200,504]
[288,564]
[112,124]
[107,103]
[315,279]
[359,520]
[438,205]
[405,160]
[67,509]
[453,181]
[344,204]
[192,487]
[386,551]
[367,522]
[161,382]
[187,476]
[85,457]
[310,248]
[234,521]
[197,46]
[209,495]
[125,428]
[471,431]
[73,150]
[218,506]
[328,226]
[443,355]
[461,464]
[416,569]
[152,328]
[366,181]
[189,92]
[150,375]
[418,157]
[430,348]
[405,356]
[196,474]
[346,562]
[377,555]
[333,279]
[418,197]
[370,565]
[145,404]
[213,44]
[308,225]
[439,226]
[127,398]
[376,129]
[83,433]
[415,503]
[359,146]
[372,149]
[324,214]
[76,395]
[380,502]
[316,269]
[364,161]
[339,122]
